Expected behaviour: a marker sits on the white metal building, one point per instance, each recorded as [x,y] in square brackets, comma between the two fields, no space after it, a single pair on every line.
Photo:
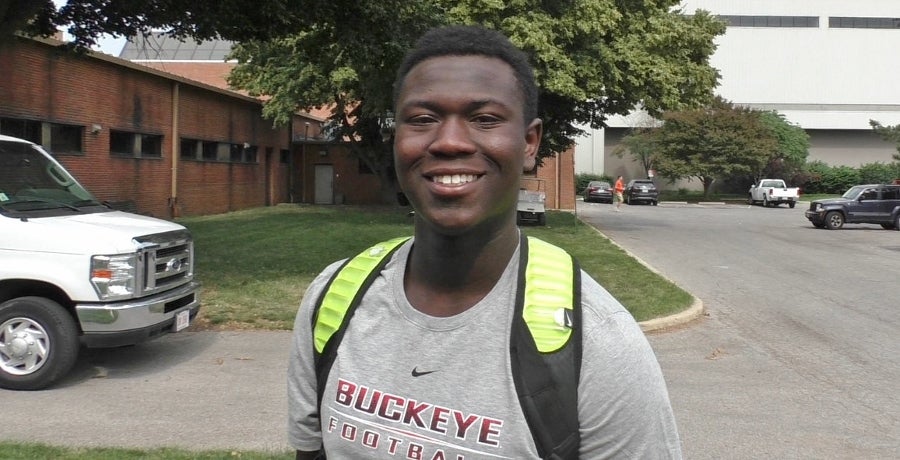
[829,66]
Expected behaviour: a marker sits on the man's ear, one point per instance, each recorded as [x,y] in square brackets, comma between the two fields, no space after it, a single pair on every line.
[533,134]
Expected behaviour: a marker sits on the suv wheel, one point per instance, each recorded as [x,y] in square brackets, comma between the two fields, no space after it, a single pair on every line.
[750,199]
[897,222]
[834,220]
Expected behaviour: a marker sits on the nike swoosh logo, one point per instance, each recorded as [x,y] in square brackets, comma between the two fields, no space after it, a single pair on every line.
[416,373]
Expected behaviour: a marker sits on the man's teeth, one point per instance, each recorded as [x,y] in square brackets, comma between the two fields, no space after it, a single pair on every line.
[454,179]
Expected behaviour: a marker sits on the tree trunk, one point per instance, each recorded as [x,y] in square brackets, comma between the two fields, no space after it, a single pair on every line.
[707,186]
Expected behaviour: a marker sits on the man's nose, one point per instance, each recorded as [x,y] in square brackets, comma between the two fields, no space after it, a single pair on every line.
[452,138]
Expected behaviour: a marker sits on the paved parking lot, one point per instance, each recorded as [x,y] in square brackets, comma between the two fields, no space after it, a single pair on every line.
[798,357]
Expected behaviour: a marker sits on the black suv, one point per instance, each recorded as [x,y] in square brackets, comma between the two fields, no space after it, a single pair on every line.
[639,190]
[862,204]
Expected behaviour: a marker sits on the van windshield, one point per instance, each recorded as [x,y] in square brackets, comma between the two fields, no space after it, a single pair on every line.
[33,181]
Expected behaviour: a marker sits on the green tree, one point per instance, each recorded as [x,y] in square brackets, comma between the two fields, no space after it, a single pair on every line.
[592,59]
[793,147]
[32,17]
[641,145]
[87,20]
[888,133]
[718,141]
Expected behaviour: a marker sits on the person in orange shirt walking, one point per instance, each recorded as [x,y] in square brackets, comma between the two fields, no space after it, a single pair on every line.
[619,188]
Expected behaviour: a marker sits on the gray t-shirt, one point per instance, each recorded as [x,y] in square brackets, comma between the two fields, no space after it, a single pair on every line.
[409,385]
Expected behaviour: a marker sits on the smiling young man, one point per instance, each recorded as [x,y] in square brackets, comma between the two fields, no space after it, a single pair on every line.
[424,369]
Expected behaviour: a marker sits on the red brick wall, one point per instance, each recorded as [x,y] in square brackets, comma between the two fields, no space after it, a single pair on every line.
[558,174]
[349,186]
[43,83]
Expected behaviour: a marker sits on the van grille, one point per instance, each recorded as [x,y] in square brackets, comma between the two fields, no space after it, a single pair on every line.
[166,261]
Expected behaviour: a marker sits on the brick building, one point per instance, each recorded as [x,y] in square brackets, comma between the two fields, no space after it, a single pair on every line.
[170,145]
[206,62]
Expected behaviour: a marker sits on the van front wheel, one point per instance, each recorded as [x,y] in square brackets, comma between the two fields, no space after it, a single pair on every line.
[38,343]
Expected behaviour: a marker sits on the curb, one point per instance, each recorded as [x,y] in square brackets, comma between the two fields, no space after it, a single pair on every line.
[676,319]
[693,312]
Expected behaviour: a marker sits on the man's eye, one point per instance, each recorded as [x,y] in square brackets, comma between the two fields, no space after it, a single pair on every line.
[420,120]
[486,120]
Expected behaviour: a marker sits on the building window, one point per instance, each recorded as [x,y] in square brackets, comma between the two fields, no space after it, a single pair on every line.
[189,148]
[285,156]
[250,154]
[57,138]
[29,130]
[137,145]
[770,21]
[194,149]
[235,152]
[839,22]
[242,153]
[151,145]
[66,138]
[121,143]
[210,151]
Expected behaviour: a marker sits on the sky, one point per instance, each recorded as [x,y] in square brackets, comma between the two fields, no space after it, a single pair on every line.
[110,45]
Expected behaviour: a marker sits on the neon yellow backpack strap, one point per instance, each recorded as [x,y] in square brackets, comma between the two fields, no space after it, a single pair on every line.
[344,287]
[549,297]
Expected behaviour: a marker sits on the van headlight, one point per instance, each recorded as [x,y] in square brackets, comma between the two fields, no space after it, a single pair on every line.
[114,277]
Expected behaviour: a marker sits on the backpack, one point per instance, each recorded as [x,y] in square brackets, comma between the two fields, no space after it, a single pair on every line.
[545,336]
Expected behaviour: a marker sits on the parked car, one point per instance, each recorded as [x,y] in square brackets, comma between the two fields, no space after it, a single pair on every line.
[598,191]
[772,192]
[862,204]
[641,190]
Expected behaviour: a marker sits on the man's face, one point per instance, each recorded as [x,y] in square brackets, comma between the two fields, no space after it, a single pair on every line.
[461,143]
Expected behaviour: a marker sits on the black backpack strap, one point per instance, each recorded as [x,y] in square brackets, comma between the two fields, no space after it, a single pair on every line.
[547,382]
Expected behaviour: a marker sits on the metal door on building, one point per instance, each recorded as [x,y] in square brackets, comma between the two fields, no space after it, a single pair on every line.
[324,184]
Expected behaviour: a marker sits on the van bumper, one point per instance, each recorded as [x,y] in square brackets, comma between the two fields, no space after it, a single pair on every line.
[136,320]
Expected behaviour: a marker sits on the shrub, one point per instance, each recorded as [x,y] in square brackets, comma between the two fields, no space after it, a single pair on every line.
[878,173]
[822,178]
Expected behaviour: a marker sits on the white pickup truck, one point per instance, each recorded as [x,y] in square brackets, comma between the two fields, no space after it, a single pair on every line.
[772,192]
[74,272]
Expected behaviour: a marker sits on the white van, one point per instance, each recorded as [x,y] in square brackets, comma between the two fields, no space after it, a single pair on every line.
[75,272]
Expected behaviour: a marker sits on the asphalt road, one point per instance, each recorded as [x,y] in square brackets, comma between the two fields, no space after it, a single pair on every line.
[799,354]
[798,358]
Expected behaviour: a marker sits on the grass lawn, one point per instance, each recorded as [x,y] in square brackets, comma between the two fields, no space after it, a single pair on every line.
[255,265]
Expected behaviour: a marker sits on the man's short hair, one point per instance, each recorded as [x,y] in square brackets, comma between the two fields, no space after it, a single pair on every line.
[473,41]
